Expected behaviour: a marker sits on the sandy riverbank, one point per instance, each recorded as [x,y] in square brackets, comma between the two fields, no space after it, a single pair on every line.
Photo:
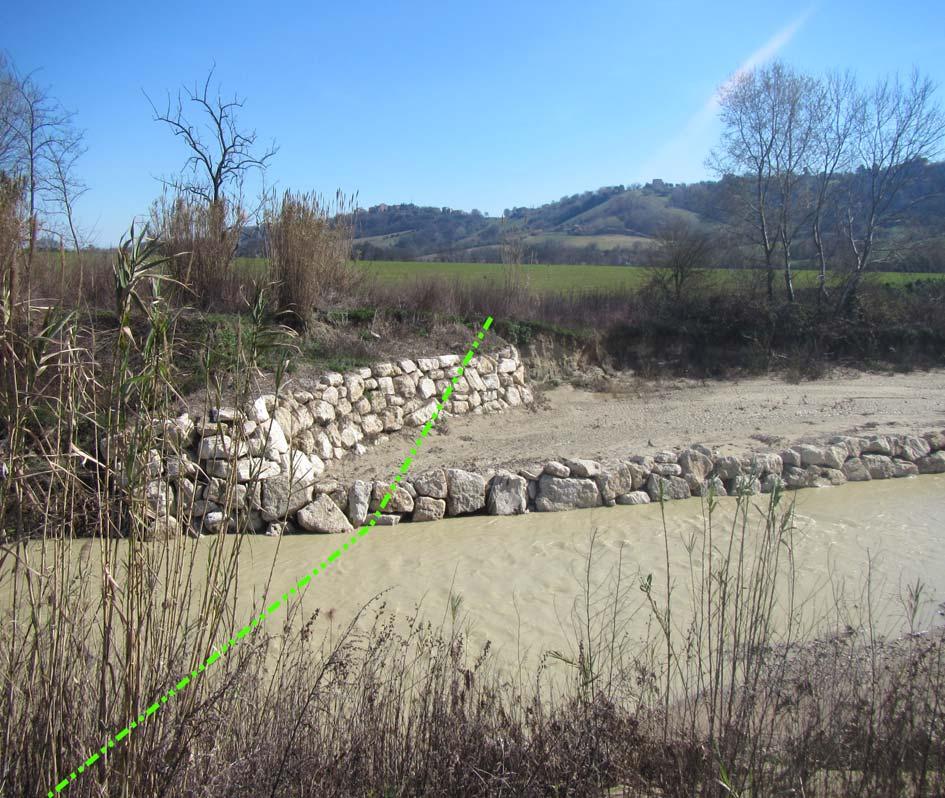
[642,417]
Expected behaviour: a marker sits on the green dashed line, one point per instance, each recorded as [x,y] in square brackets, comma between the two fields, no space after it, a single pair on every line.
[363,530]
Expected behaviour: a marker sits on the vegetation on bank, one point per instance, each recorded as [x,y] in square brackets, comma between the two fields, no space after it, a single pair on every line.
[740,687]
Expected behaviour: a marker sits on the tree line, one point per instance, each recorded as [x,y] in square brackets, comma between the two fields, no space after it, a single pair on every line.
[826,157]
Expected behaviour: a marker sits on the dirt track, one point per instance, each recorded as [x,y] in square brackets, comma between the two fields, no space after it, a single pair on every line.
[642,417]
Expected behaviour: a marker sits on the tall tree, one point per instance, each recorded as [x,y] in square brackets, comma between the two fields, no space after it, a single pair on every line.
[895,127]
[751,127]
[795,138]
[39,147]
[835,107]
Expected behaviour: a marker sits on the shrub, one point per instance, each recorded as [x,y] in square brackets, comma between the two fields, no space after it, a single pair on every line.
[309,241]
[204,239]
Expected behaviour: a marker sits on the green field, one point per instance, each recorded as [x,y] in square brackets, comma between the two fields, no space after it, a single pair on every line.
[549,278]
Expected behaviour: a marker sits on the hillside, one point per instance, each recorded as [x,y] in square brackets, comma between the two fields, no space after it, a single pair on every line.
[615,225]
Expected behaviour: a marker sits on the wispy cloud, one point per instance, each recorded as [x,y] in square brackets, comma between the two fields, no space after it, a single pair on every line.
[676,149]
[763,54]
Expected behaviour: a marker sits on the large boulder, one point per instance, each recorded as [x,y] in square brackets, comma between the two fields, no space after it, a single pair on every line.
[668,487]
[640,474]
[401,501]
[879,444]
[830,456]
[745,485]
[432,484]
[614,481]
[566,493]
[359,500]
[879,465]
[466,492]
[695,463]
[851,444]
[555,469]
[581,468]
[932,464]
[936,440]
[727,467]
[427,509]
[323,515]
[912,448]
[164,527]
[855,470]
[834,476]
[290,490]
[796,477]
[903,468]
[508,495]
[667,469]
[764,464]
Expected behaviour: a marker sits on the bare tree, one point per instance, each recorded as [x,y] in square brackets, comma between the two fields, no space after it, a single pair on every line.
[750,137]
[897,125]
[796,122]
[681,253]
[835,107]
[221,153]
[39,147]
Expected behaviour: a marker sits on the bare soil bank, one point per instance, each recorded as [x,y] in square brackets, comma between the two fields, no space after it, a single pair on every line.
[639,417]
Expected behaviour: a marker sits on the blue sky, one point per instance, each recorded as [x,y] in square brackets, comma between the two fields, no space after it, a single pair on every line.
[469,105]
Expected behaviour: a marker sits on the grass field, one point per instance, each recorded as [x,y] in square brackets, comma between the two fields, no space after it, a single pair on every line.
[543,278]
[558,278]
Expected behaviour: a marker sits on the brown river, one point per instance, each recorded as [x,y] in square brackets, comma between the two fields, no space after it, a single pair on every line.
[519,577]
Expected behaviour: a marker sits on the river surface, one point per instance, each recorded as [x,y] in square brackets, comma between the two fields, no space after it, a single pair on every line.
[519,578]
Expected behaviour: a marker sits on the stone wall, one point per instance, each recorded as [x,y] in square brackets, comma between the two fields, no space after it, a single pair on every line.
[568,484]
[297,499]
[247,468]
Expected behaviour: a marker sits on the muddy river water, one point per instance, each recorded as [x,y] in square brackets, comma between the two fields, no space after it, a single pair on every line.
[519,577]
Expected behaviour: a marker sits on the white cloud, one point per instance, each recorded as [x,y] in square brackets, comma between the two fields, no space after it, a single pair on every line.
[679,149]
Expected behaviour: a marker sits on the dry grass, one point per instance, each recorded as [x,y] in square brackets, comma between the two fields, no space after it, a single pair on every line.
[309,242]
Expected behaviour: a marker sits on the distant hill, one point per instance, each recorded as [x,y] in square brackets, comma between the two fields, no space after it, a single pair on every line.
[614,224]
